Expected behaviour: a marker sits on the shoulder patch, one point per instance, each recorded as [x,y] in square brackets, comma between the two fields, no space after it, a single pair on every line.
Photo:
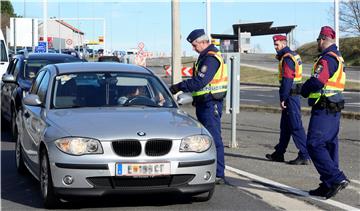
[203,69]
[318,70]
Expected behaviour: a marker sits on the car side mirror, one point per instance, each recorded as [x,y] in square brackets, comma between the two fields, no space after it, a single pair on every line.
[184,98]
[8,78]
[32,100]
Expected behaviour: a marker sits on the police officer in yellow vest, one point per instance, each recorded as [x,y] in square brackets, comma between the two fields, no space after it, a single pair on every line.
[324,90]
[290,76]
[208,86]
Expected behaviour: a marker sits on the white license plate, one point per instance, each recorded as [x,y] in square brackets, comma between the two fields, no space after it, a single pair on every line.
[142,169]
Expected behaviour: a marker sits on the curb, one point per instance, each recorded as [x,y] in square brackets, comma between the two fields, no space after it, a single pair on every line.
[304,111]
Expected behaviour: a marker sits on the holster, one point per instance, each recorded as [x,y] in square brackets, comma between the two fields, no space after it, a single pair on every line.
[332,107]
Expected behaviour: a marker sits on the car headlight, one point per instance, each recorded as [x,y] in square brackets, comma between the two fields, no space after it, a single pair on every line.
[79,146]
[197,143]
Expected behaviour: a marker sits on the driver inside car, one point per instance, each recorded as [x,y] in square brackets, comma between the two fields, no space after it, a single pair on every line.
[132,91]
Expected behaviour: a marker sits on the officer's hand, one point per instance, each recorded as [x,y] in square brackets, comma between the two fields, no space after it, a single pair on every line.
[174,89]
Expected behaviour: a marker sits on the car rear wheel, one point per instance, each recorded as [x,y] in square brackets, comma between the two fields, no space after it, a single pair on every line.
[47,189]
[20,166]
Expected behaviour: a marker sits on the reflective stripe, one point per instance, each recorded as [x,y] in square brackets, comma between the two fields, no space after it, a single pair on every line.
[298,66]
[335,84]
[219,83]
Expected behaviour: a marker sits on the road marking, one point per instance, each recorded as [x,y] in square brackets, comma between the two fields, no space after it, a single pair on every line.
[250,100]
[353,104]
[290,189]
[355,181]
[267,194]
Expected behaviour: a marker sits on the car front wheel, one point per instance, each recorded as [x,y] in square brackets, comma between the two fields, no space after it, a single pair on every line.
[47,189]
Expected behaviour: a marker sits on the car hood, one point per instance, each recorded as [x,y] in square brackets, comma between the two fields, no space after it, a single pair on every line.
[125,123]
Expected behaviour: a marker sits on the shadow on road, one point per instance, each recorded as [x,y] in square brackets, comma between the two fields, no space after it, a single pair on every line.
[244,156]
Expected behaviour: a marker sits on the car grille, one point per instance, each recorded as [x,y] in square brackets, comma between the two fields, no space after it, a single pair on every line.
[158,147]
[132,148]
[125,181]
[127,148]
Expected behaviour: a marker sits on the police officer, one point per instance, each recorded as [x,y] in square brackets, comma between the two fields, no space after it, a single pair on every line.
[290,76]
[324,90]
[208,86]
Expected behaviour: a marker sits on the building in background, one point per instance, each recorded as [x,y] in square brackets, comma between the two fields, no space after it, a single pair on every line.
[62,35]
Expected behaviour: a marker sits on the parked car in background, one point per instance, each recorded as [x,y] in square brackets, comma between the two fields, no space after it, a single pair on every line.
[92,129]
[108,59]
[17,80]
[4,55]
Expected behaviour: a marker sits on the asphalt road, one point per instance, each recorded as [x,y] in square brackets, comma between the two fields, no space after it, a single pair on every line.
[269,96]
[255,183]
[23,193]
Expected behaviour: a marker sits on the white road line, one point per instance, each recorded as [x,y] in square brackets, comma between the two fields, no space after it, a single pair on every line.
[355,181]
[250,100]
[290,189]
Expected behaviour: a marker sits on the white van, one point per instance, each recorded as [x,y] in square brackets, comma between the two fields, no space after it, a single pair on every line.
[4,58]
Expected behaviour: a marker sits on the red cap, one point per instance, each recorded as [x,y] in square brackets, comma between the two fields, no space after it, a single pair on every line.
[328,32]
[279,37]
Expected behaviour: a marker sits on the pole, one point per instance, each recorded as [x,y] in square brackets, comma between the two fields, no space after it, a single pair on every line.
[208,18]
[233,102]
[175,47]
[336,7]
[45,14]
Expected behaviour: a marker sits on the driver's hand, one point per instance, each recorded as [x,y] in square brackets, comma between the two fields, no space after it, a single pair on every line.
[122,100]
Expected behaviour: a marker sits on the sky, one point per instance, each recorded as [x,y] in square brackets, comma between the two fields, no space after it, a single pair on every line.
[130,22]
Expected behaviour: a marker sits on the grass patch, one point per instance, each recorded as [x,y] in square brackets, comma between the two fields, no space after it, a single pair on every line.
[257,76]
[349,48]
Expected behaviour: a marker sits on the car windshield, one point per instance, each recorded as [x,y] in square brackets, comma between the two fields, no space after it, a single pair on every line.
[109,89]
[32,66]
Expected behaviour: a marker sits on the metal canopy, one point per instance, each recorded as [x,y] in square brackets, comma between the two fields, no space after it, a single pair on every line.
[256,29]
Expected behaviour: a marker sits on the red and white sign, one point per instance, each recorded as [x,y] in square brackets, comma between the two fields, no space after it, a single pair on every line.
[69,42]
[185,71]
[140,58]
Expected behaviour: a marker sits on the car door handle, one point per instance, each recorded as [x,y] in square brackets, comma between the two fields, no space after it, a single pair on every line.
[2,63]
[26,115]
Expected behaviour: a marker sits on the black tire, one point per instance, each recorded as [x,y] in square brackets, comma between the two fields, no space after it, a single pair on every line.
[203,197]
[13,126]
[20,166]
[50,200]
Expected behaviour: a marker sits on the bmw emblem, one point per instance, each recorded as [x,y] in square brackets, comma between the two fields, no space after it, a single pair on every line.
[140,133]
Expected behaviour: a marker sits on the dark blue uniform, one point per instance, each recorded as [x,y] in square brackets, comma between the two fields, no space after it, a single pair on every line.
[208,110]
[322,138]
[290,124]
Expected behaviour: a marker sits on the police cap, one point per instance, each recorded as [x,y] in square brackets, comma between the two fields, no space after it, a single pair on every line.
[327,31]
[195,34]
[279,37]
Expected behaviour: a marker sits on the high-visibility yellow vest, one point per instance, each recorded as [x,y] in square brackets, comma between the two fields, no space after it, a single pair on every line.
[335,84]
[219,83]
[298,66]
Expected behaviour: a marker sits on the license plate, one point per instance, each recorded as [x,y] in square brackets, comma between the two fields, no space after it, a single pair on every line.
[142,169]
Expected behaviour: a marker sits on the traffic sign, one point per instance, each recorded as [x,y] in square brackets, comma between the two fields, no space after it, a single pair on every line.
[69,42]
[40,49]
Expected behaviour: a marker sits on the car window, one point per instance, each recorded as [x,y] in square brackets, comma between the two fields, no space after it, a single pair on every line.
[35,85]
[109,89]
[43,87]
[3,56]
[32,66]
[17,68]
[11,67]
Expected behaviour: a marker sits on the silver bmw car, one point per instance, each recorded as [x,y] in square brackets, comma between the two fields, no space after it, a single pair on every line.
[92,129]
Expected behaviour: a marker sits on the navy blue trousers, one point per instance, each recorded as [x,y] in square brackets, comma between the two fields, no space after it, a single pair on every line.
[291,125]
[209,114]
[323,147]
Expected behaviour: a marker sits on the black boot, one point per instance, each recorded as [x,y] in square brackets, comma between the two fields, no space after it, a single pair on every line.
[321,191]
[275,157]
[334,189]
[299,161]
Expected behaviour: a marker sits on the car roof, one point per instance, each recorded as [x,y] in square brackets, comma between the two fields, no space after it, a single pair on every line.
[99,67]
[47,56]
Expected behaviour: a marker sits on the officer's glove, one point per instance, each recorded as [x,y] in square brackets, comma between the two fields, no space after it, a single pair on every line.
[174,89]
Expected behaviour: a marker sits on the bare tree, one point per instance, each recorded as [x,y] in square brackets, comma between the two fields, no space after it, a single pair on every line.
[349,16]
